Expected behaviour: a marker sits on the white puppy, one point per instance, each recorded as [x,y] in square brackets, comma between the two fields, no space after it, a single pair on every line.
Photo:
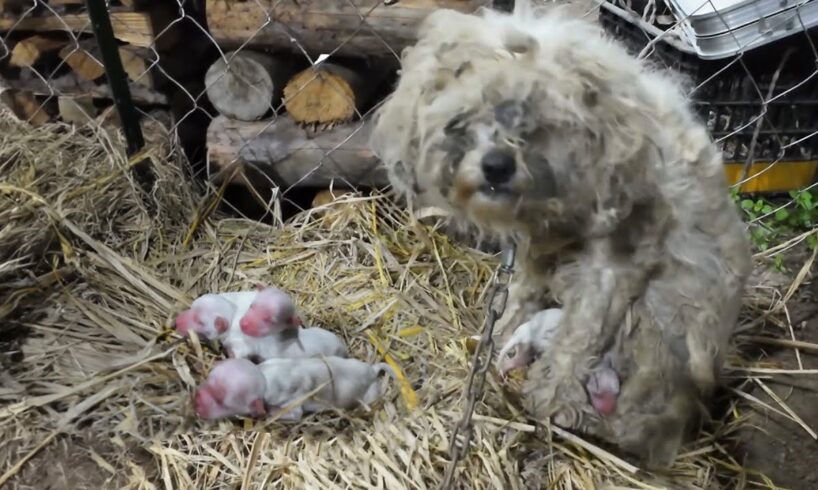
[218,316]
[529,340]
[239,387]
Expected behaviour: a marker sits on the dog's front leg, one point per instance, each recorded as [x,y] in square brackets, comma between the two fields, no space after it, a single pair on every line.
[525,299]
[555,381]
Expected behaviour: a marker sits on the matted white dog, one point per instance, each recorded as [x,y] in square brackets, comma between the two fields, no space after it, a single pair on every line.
[537,127]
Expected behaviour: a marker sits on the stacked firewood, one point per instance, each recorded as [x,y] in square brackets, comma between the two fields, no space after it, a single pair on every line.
[51,67]
[296,82]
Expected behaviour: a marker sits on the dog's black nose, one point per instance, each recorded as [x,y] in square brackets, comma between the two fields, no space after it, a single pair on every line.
[498,166]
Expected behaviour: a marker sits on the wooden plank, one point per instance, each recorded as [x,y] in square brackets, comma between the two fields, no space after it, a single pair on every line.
[70,84]
[27,51]
[131,27]
[292,155]
[84,59]
[136,63]
[322,26]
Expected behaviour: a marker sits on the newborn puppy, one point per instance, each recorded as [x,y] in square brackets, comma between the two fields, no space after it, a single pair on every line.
[532,338]
[209,316]
[233,387]
[239,387]
[603,388]
[218,316]
[272,310]
[529,340]
[272,316]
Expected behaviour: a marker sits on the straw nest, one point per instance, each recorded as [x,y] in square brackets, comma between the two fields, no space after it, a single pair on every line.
[93,270]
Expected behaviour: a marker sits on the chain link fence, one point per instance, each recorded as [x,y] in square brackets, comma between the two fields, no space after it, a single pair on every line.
[752,71]
[271,99]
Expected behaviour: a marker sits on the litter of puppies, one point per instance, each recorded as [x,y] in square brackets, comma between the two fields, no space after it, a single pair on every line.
[273,360]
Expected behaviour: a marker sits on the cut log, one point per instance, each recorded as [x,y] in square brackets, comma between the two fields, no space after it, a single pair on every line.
[55,3]
[28,51]
[77,110]
[293,156]
[137,63]
[135,28]
[326,93]
[358,28]
[328,196]
[25,106]
[248,85]
[14,7]
[70,84]
[84,59]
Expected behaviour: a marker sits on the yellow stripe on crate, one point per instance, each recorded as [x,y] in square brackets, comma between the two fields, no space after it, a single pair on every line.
[773,177]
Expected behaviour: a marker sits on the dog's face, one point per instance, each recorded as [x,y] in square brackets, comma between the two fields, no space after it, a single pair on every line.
[501,129]
[490,167]
[502,166]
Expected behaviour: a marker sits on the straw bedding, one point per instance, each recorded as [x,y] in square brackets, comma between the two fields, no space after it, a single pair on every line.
[93,270]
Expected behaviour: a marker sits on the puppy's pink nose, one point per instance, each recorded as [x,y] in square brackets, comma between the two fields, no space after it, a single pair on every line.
[604,403]
[183,322]
[248,326]
[201,403]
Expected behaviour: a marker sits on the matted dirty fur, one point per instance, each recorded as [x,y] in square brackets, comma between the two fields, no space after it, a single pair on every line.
[618,202]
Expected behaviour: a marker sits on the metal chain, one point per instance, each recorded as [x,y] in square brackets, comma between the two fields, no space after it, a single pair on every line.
[480,363]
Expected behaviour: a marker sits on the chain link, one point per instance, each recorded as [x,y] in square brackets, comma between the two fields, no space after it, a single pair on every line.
[480,363]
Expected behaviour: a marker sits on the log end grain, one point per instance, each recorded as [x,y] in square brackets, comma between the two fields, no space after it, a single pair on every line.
[83,62]
[322,95]
[29,50]
[240,88]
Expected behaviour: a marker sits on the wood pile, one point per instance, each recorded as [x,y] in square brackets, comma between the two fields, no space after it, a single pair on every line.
[51,67]
[297,122]
[281,87]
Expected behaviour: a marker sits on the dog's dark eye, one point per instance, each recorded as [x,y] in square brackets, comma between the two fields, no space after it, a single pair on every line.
[508,113]
[457,124]
[455,148]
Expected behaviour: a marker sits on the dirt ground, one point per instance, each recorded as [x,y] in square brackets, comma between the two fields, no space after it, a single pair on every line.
[80,462]
[773,444]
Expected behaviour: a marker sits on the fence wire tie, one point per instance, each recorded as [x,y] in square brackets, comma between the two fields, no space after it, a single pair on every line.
[481,361]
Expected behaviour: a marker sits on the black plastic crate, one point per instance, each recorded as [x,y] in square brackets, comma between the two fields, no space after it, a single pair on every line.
[729,93]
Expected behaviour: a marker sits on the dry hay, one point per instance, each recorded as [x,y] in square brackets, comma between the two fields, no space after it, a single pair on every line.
[96,269]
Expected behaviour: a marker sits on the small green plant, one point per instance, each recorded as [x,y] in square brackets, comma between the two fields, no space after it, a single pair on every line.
[774,222]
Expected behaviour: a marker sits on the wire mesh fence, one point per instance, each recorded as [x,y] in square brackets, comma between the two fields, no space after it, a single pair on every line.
[274,97]
[270,101]
[751,69]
